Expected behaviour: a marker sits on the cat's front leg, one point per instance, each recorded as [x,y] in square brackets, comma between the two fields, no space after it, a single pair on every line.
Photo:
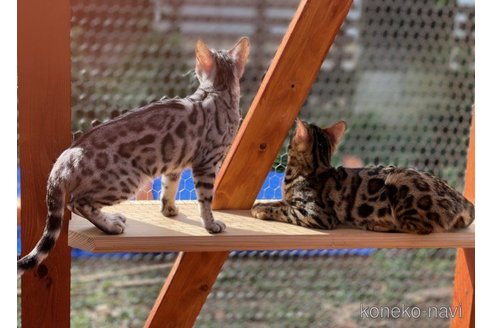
[170,184]
[284,212]
[204,184]
[270,211]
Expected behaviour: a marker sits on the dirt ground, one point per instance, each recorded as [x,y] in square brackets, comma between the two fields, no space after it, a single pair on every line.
[271,289]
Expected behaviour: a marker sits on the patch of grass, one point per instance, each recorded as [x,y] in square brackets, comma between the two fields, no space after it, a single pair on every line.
[270,292]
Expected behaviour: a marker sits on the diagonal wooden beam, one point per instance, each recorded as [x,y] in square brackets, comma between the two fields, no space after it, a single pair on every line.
[44,132]
[272,113]
[464,276]
[186,289]
[278,101]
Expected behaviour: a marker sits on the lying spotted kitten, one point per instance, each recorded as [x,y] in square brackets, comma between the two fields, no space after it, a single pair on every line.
[108,164]
[317,195]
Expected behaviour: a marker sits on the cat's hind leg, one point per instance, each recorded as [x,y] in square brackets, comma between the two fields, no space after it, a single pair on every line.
[412,224]
[110,223]
[170,184]
[381,227]
[403,207]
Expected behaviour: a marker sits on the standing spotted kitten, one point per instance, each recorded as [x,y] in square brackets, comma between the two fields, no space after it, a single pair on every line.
[317,195]
[109,163]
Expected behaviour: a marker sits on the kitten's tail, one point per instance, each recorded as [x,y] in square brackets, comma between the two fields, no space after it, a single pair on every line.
[55,200]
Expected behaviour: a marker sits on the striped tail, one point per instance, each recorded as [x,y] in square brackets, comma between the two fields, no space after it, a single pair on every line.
[55,200]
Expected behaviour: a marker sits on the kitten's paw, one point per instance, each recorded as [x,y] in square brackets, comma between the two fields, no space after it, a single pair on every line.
[216,226]
[169,210]
[261,211]
[114,224]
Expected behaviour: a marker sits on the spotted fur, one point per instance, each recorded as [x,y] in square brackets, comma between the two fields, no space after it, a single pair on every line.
[387,199]
[110,162]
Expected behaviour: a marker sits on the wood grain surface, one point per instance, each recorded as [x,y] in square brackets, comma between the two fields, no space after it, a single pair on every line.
[44,132]
[464,277]
[278,101]
[149,231]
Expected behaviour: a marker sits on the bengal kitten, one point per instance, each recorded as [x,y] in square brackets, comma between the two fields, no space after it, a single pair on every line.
[110,162]
[318,195]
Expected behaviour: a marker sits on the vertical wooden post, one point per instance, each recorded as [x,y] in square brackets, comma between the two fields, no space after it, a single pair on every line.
[44,132]
[464,277]
[279,99]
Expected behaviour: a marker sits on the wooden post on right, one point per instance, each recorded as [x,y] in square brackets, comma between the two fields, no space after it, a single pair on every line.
[464,277]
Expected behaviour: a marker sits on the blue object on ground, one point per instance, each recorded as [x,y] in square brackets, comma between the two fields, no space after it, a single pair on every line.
[271,189]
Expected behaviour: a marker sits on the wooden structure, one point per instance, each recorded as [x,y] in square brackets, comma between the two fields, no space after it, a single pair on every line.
[44,81]
[44,125]
[148,231]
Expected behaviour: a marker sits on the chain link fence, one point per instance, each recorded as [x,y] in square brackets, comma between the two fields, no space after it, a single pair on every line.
[401,73]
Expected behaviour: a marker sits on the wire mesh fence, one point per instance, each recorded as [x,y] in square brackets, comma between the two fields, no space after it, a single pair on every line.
[273,289]
[401,73]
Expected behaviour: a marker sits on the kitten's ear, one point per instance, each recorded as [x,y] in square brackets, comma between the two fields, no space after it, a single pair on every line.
[204,57]
[240,53]
[301,138]
[336,131]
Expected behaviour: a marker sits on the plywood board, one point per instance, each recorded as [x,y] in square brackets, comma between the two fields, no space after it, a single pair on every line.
[149,231]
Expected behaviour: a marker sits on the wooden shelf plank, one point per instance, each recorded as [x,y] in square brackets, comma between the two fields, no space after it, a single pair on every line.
[148,231]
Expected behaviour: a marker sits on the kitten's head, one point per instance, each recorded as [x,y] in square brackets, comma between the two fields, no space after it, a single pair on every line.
[221,69]
[311,147]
